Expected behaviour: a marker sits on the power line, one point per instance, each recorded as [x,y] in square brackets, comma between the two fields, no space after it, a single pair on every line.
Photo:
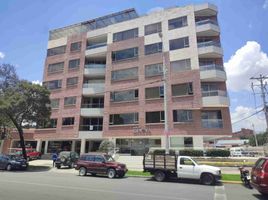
[247,116]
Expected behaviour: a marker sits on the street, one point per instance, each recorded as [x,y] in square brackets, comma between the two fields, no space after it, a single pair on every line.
[64,186]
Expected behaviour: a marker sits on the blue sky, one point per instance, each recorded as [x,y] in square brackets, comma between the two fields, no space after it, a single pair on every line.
[25,25]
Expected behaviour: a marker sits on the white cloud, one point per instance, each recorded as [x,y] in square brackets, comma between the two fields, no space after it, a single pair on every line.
[155,9]
[265,4]
[242,112]
[37,82]
[247,61]
[2,55]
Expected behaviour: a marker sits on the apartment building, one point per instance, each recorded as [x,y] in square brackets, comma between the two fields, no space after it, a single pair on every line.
[106,81]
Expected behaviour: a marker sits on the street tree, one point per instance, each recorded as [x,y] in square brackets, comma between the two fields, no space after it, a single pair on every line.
[22,102]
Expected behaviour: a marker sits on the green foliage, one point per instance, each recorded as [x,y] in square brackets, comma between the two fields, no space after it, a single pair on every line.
[163,152]
[106,146]
[262,138]
[191,152]
[218,153]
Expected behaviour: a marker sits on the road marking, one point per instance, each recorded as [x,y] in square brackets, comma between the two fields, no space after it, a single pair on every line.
[220,193]
[95,190]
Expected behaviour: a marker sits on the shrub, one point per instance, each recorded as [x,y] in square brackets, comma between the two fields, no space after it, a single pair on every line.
[191,152]
[218,153]
[106,146]
[163,152]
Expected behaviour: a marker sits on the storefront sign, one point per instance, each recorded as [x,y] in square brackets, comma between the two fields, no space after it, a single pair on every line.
[141,131]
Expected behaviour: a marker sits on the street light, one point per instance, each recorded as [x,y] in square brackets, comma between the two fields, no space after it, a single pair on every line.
[166,130]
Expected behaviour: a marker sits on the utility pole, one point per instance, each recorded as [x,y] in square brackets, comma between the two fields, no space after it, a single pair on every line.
[166,130]
[262,86]
[256,141]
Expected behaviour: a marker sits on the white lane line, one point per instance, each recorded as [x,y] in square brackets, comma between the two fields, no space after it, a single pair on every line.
[96,190]
[220,193]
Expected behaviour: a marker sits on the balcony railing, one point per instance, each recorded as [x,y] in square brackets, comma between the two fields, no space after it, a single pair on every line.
[212,123]
[91,127]
[214,93]
[93,105]
[208,43]
[93,85]
[93,46]
[95,66]
[211,67]
[206,21]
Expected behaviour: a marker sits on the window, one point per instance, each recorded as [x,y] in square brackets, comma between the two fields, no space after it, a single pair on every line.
[99,159]
[188,141]
[90,158]
[126,118]
[182,116]
[69,101]
[125,74]
[155,117]
[125,54]
[152,28]
[56,51]
[91,124]
[53,85]
[54,103]
[186,161]
[154,70]
[125,35]
[179,43]
[72,81]
[68,121]
[154,92]
[129,95]
[76,46]
[211,119]
[55,67]
[177,22]
[182,89]
[53,123]
[180,65]
[153,48]
[74,64]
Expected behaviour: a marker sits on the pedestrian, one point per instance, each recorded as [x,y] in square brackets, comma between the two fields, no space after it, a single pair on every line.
[54,158]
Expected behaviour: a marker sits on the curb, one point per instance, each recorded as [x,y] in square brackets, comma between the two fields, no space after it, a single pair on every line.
[232,182]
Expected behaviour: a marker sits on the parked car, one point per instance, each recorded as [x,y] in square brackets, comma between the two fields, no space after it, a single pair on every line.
[164,166]
[100,163]
[31,153]
[259,175]
[8,162]
[66,158]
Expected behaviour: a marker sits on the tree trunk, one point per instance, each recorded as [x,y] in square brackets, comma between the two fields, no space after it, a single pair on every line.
[22,144]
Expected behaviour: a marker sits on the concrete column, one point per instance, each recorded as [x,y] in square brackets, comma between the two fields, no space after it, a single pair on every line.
[38,145]
[198,142]
[73,146]
[2,146]
[163,142]
[83,146]
[46,146]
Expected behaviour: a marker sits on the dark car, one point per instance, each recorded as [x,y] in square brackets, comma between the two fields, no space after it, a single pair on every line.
[9,162]
[66,158]
[100,163]
[259,175]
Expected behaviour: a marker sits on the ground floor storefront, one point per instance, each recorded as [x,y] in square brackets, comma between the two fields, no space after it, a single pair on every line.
[123,145]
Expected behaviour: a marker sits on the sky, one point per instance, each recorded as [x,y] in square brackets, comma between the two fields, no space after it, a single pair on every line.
[25,25]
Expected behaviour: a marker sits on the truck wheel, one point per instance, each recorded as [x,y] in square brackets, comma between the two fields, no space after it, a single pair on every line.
[82,171]
[207,179]
[111,173]
[159,176]
[58,166]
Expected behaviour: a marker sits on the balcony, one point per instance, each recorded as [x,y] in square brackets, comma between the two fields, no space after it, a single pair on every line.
[205,9]
[212,123]
[209,49]
[214,98]
[95,70]
[98,48]
[92,110]
[90,131]
[207,27]
[94,127]
[93,89]
[212,72]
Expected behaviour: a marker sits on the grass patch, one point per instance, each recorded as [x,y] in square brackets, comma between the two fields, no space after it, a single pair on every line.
[138,173]
[231,177]
[227,164]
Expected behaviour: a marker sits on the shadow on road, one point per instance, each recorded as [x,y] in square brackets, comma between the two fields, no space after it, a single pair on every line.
[260,197]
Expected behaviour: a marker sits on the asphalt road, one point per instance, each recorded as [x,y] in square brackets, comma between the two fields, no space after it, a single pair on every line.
[66,186]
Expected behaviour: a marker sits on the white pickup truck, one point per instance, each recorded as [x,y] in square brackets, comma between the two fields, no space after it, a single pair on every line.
[183,167]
